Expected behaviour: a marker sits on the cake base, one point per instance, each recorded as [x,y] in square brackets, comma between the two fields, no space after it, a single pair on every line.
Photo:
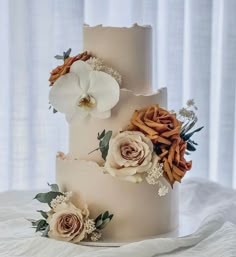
[111,243]
[139,212]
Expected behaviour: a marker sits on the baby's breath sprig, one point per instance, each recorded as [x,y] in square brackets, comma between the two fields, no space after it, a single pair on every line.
[189,119]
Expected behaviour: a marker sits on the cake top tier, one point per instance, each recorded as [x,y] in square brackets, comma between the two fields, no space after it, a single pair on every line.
[128,50]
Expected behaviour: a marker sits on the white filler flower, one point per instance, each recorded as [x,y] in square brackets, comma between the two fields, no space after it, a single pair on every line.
[84,91]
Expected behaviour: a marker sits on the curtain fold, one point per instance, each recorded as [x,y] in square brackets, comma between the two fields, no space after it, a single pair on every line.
[194,55]
[31,33]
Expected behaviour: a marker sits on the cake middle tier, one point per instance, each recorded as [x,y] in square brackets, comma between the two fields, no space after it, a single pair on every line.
[83,134]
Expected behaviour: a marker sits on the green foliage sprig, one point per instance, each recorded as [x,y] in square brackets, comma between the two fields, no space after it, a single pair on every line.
[103,219]
[191,145]
[189,119]
[104,139]
[64,56]
[41,224]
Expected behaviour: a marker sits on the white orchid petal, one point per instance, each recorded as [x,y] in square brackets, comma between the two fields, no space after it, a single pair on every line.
[82,70]
[78,115]
[64,93]
[105,89]
[101,115]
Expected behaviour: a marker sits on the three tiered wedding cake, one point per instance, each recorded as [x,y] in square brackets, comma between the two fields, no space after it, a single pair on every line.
[126,151]
[138,210]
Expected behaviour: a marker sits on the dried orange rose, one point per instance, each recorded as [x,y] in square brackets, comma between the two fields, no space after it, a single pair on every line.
[163,128]
[65,67]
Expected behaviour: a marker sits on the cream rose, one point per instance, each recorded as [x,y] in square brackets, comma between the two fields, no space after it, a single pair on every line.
[67,223]
[130,155]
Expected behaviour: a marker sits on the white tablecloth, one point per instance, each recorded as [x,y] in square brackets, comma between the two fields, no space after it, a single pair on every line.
[206,209]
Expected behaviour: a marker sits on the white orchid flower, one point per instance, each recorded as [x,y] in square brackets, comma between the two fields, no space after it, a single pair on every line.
[84,91]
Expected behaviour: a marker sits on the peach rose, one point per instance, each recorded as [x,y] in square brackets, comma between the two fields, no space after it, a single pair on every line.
[130,155]
[65,67]
[67,223]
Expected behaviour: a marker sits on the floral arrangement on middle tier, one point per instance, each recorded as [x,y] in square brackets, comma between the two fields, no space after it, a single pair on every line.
[153,144]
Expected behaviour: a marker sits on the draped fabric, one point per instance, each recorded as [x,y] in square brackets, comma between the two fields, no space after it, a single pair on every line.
[194,55]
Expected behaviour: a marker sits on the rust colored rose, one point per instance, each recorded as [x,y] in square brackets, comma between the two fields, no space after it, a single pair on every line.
[163,128]
[65,67]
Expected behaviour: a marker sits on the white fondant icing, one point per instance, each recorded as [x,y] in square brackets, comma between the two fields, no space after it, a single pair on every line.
[83,134]
[127,50]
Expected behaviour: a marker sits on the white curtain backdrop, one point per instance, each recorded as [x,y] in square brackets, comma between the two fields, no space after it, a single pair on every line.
[194,56]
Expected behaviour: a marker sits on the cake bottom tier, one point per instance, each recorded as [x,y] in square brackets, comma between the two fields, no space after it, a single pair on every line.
[139,212]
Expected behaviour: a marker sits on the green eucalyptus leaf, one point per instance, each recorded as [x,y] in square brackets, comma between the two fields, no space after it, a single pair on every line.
[99,217]
[45,232]
[183,129]
[67,53]
[189,135]
[54,187]
[47,197]
[34,223]
[103,219]
[104,144]
[106,138]
[104,153]
[43,213]
[191,125]
[192,142]
[186,127]
[101,145]
[100,136]
[42,224]
[59,57]
[105,215]
[98,223]
[104,223]
[190,147]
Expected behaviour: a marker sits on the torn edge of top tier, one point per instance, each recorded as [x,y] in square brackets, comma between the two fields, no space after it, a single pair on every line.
[134,25]
[156,92]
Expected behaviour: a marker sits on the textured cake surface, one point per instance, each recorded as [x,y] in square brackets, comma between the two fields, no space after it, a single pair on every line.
[83,134]
[138,210]
[128,50]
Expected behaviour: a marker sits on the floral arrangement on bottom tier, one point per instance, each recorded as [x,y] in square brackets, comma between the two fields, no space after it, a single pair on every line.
[67,222]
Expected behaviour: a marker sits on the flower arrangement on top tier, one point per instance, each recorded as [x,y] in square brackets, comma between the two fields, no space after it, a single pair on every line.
[80,86]
[65,221]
